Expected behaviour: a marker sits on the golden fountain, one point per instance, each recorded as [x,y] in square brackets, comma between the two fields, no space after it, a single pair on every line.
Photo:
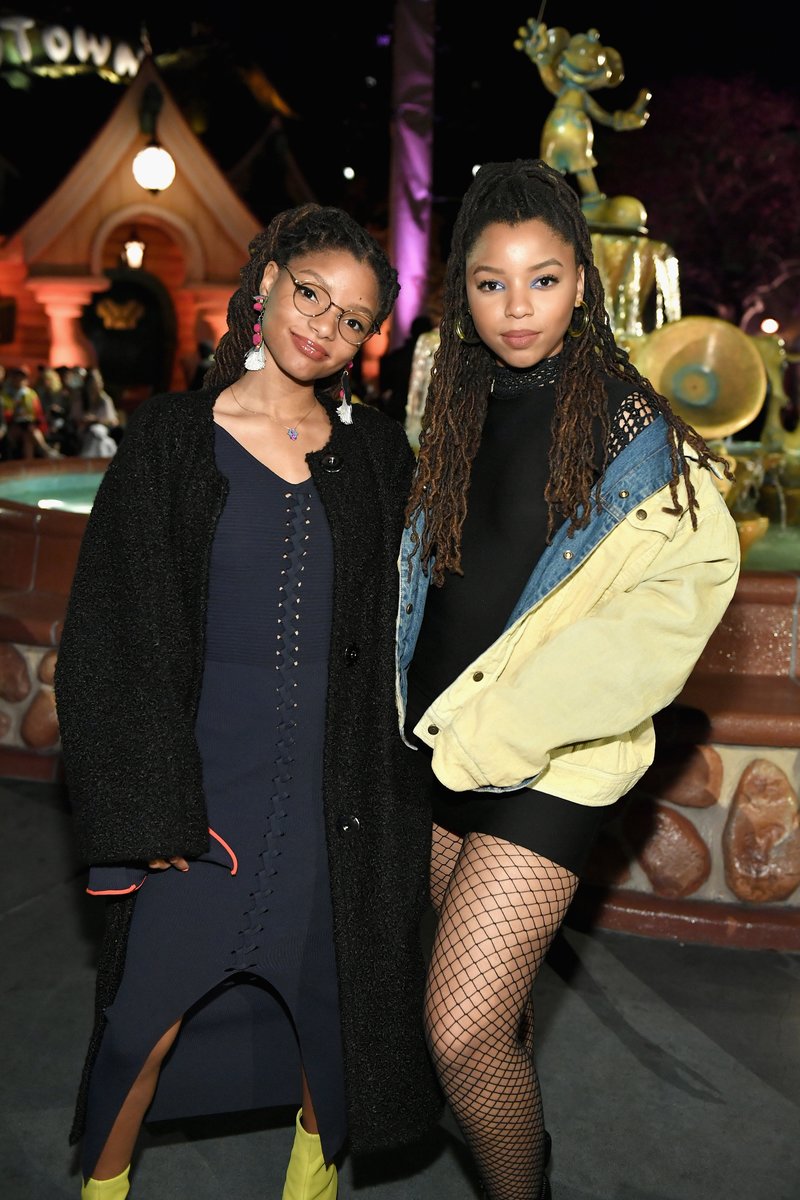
[715,376]
[708,847]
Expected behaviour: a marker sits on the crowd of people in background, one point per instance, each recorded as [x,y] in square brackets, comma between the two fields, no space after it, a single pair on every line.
[66,411]
[56,412]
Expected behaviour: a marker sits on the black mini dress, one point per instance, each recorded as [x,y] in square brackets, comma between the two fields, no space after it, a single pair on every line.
[504,534]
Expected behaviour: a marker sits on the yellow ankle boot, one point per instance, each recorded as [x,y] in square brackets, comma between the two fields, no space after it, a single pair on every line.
[307,1176]
[106,1189]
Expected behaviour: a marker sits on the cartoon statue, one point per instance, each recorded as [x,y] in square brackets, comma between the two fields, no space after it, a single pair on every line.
[571,67]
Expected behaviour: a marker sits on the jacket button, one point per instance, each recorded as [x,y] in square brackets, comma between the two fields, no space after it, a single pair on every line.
[409,608]
[349,824]
[478,676]
[568,554]
[641,514]
[433,729]
[351,654]
[623,495]
[332,463]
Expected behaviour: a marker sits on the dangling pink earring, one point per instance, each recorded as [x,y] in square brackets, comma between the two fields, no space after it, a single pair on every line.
[345,410]
[255,357]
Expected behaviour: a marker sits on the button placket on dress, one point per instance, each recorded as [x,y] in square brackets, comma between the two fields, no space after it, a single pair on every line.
[297,525]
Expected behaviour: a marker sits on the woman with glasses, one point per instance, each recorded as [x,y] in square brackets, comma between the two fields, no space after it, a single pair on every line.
[225,692]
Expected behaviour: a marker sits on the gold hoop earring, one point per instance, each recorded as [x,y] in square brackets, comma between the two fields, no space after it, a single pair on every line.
[584,320]
[462,337]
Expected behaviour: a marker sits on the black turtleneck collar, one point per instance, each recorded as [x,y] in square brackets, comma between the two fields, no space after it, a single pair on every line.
[512,381]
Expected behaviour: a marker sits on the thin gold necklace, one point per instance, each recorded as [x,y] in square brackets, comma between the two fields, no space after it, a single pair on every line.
[291,430]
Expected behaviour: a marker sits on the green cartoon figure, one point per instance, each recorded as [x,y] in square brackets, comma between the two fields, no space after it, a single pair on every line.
[571,67]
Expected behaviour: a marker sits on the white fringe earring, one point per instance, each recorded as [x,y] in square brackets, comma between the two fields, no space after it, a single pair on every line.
[345,410]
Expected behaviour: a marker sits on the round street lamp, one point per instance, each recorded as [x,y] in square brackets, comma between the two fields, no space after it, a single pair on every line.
[154,168]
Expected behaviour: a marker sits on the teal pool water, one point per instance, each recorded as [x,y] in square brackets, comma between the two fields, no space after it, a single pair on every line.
[70,493]
[777,550]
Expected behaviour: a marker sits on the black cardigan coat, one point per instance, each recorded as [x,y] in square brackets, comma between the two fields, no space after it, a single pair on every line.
[127,684]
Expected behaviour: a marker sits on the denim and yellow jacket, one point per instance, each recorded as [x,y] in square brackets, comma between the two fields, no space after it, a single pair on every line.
[606,632]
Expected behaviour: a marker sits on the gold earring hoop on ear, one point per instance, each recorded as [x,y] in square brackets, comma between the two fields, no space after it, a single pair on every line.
[584,320]
[462,337]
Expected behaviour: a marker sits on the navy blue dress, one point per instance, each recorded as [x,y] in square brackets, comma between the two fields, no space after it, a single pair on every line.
[242,943]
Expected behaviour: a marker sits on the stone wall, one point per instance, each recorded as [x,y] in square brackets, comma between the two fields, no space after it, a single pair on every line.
[38,553]
[711,823]
[29,736]
[708,843]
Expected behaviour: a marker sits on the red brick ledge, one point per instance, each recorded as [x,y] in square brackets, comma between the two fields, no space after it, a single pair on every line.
[746,710]
[35,766]
[747,682]
[31,618]
[711,923]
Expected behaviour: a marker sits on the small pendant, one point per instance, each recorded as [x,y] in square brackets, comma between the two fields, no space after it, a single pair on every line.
[292,434]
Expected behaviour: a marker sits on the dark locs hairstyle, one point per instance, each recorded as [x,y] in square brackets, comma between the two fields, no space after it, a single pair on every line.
[510,193]
[301,230]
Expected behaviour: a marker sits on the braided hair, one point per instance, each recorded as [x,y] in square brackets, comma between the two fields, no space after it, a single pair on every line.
[302,230]
[510,193]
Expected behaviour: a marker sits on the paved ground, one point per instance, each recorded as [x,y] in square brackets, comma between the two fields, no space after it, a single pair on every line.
[670,1071]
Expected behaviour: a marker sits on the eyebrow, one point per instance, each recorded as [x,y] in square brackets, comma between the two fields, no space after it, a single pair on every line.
[548,262]
[324,283]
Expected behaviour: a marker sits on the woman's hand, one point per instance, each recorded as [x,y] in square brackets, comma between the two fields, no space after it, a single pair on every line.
[163,864]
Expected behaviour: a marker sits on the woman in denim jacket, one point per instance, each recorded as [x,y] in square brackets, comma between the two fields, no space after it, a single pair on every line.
[567,555]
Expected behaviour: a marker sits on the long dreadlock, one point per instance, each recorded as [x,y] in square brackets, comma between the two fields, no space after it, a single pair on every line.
[296,231]
[510,193]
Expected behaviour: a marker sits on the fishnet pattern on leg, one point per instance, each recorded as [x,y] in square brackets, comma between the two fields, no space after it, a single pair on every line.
[444,855]
[526,1026]
[501,910]
[445,850]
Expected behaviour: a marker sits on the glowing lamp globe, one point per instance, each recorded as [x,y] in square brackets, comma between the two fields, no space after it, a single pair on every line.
[133,251]
[154,168]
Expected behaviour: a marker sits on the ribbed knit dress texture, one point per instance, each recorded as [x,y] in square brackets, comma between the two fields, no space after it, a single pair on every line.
[242,943]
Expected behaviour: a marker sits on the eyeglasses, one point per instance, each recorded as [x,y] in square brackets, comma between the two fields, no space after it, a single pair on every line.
[312,300]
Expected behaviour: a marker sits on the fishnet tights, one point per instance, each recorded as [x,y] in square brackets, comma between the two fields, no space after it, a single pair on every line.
[499,908]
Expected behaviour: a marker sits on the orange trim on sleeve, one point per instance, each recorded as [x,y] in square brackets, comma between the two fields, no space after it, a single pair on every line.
[225,846]
[115,891]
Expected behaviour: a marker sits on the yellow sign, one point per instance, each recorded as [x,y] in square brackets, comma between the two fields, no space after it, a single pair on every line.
[28,48]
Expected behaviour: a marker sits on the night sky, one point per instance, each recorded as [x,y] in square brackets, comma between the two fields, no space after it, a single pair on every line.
[334,70]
